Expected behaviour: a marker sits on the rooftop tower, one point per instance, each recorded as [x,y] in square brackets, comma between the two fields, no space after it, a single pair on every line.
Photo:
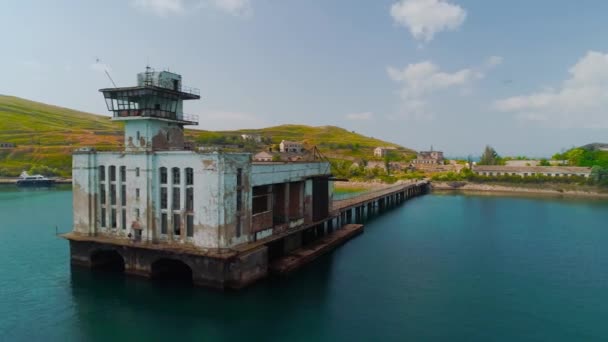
[152,111]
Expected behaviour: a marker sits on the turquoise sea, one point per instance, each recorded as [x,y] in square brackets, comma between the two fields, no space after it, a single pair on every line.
[442,267]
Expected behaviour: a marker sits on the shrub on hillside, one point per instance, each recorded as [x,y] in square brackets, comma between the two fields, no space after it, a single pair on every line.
[43,170]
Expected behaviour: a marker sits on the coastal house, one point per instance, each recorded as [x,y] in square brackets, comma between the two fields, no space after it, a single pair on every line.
[522,163]
[382,151]
[269,156]
[156,207]
[527,171]
[291,146]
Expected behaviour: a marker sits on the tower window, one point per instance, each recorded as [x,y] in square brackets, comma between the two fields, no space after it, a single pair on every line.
[123,194]
[112,194]
[163,175]
[175,172]
[113,218]
[124,219]
[102,194]
[163,198]
[189,199]
[102,173]
[176,224]
[136,172]
[103,217]
[163,223]
[189,176]
[112,173]
[176,199]
[138,136]
[189,225]
[123,173]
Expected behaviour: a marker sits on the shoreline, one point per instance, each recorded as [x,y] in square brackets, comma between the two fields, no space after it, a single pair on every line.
[504,189]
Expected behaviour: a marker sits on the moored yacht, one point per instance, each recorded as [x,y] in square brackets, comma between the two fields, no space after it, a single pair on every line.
[33,180]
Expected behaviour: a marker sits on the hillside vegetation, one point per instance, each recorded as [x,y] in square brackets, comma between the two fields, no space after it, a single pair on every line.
[46,135]
[334,142]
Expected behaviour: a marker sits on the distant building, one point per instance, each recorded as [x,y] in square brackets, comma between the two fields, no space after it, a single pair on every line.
[382,151]
[526,171]
[521,163]
[291,146]
[6,145]
[263,156]
[252,137]
[429,157]
[268,156]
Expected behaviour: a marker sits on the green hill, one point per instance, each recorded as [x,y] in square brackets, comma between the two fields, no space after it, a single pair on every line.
[46,135]
[595,154]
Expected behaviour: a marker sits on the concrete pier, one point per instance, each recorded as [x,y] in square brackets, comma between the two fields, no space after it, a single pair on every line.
[304,255]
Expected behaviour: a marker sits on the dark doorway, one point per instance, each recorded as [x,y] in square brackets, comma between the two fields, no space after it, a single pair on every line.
[107,260]
[171,270]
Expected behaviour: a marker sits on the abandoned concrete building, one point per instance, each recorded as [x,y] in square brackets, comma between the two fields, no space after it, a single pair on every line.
[155,205]
[291,146]
[382,151]
[6,145]
[267,156]
[429,157]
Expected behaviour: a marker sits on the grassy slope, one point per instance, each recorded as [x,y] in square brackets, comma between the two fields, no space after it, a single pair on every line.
[332,141]
[48,134]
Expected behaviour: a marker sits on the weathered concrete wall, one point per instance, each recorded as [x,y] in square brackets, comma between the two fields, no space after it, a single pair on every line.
[215,196]
[235,272]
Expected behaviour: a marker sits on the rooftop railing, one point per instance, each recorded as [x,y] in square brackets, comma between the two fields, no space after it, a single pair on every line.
[153,113]
[188,117]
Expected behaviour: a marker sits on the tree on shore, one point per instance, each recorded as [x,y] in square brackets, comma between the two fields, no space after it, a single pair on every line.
[490,157]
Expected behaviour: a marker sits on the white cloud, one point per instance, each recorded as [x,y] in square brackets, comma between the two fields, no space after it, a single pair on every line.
[160,7]
[234,7]
[425,18]
[580,101]
[420,80]
[493,61]
[360,116]
[164,8]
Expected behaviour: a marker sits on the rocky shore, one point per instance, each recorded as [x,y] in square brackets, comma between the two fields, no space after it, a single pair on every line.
[498,189]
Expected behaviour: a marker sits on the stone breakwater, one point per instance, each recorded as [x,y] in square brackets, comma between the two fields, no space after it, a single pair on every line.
[493,188]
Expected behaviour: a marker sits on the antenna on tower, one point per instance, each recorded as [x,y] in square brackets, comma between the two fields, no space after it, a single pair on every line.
[105,70]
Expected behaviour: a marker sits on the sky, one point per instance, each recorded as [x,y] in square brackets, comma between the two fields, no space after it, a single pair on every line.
[526,77]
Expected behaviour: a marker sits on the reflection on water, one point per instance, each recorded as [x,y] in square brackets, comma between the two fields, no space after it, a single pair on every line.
[111,301]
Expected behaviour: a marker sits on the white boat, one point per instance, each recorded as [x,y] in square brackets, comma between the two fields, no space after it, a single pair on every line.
[33,180]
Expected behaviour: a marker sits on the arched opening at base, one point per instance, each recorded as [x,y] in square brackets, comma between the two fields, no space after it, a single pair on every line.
[171,270]
[107,260]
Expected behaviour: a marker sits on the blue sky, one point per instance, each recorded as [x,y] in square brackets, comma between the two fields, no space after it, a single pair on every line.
[527,77]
